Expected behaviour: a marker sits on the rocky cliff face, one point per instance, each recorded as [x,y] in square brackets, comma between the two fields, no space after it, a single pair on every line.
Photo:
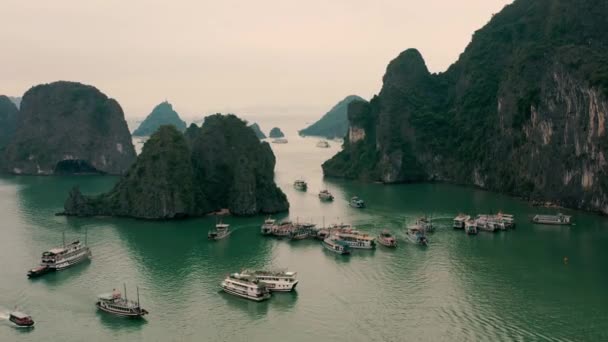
[258,131]
[220,165]
[8,120]
[64,124]
[522,111]
[162,114]
[334,124]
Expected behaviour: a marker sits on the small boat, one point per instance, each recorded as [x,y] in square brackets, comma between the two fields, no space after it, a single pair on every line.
[470,227]
[283,229]
[385,238]
[356,240]
[245,286]
[426,224]
[356,202]
[21,319]
[267,226]
[507,219]
[416,235]
[60,258]
[115,304]
[299,234]
[300,185]
[322,234]
[336,246]
[276,281]
[221,231]
[460,221]
[559,219]
[326,196]
[323,144]
[280,141]
[483,223]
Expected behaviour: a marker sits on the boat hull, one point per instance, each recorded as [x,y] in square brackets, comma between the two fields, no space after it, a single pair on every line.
[246,296]
[39,273]
[390,244]
[121,314]
[67,264]
[336,251]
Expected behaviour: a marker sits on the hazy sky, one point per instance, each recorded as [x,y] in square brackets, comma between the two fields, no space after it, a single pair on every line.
[206,56]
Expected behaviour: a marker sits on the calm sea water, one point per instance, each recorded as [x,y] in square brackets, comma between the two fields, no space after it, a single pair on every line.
[510,285]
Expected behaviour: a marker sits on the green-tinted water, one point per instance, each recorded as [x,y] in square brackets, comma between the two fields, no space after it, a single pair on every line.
[510,285]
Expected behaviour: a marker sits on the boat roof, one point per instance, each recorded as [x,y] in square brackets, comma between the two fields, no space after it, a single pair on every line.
[355,235]
[270,273]
[106,296]
[19,314]
[57,250]
[222,225]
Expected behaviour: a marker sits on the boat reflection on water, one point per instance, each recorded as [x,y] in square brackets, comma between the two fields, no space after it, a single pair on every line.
[113,322]
[284,301]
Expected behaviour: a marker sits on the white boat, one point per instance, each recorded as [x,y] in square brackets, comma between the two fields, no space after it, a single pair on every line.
[385,238]
[483,223]
[356,202]
[426,224]
[507,219]
[356,240]
[416,235]
[60,258]
[336,246]
[267,226]
[559,219]
[283,229]
[323,144]
[300,185]
[276,281]
[470,227]
[326,196]
[20,319]
[118,305]
[245,286]
[280,141]
[460,221]
[299,233]
[221,231]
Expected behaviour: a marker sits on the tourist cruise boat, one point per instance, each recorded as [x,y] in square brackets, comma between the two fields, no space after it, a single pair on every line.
[356,240]
[283,229]
[276,281]
[299,233]
[336,246]
[385,238]
[507,219]
[484,223]
[559,219]
[323,144]
[280,141]
[356,202]
[326,196]
[21,319]
[300,185]
[267,226]
[470,227]
[417,235]
[460,221]
[221,231]
[60,258]
[245,286]
[115,304]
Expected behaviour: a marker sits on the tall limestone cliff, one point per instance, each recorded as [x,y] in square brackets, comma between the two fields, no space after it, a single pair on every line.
[334,124]
[68,127]
[162,114]
[523,111]
[220,165]
[8,120]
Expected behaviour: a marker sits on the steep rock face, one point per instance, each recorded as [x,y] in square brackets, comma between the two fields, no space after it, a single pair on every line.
[334,124]
[15,100]
[522,111]
[162,114]
[67,121]
[258,131]
[8,120]
[276,133]
[220,165]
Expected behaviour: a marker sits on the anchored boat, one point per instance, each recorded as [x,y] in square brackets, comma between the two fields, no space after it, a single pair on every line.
[276,281]
[336,246]
[300,185]
[559,219]
[426,224]
[460,220]
[356,202]
[21,319]
[417,235]
[470,227]
[60,258]
[323,144]
[115,304]
[385,238]
[267,226]
[356,240]
[221,231]
[283,229]
[326,196]
[245,286]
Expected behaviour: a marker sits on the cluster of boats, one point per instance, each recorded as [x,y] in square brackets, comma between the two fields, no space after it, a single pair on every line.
[488,223]
[68,255]
[326,196]
[258,285]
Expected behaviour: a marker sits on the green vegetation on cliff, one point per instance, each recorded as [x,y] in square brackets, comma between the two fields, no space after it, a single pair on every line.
[334,124]
[276,133]
[528,95]
[258,131]
[162,114]
[8,120]
[220,165]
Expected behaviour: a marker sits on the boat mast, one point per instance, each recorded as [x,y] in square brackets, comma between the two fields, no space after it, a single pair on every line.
[63,236]
[125,287]
[85,235]
[138,297]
